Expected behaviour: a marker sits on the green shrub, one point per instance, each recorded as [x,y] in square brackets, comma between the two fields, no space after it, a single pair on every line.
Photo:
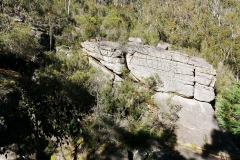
[21,42]
[90,31]
[112,21]
[153,81]
[228,109]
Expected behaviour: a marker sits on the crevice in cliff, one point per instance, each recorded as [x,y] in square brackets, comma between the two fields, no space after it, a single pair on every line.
[98,61]
[104,67]
[194,82]
[178,94]
[213,103]
[125,60]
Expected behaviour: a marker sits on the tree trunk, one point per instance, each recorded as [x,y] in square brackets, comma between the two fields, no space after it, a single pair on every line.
[50,34]
[69,1]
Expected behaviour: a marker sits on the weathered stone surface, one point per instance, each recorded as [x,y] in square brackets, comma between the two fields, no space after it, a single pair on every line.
[178,72]
[164,46]
[195,121]
[187,76]
[203,93]
[107,74]
[135,40]
[108,53]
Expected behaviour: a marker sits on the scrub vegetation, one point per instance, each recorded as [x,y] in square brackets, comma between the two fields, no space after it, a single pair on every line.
[62,95]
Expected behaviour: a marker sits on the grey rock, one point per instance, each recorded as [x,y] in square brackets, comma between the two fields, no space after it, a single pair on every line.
[163,45]
[108,53]
[157,155]
[190,77]
[107,74]
[19,19]
[135,40]
[140,154]
[152,151]
[195,120]
[203,93]
[178,72]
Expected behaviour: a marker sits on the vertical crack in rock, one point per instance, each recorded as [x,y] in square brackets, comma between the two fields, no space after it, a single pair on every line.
[194,83]
[125,62]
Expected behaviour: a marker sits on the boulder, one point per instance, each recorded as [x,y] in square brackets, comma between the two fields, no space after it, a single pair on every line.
[135,40]
[19,19]
[195,120]
[184,86]
[163,45]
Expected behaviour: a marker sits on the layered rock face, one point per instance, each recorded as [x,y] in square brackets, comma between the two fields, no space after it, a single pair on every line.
[179,73]
[110,54]
[182,81]
[187,76]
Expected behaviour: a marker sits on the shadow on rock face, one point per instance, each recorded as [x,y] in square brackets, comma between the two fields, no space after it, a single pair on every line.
[222,146]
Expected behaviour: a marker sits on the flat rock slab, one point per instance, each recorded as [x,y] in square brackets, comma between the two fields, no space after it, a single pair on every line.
[195,121]
[196,126]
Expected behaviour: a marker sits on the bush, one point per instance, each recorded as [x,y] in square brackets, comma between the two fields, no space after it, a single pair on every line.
[112,21]
[21,43]
[228,109]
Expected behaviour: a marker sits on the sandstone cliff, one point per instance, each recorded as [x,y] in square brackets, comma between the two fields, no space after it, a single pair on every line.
[183,81]
[179,73]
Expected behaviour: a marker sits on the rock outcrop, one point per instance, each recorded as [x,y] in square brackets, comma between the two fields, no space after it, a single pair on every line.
[195,120]
[184,84]
[110,54]
[179,73]
[135,40]
[165,46]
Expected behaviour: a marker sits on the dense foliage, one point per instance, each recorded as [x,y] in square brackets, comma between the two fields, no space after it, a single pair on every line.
[208,28]
[228,109]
